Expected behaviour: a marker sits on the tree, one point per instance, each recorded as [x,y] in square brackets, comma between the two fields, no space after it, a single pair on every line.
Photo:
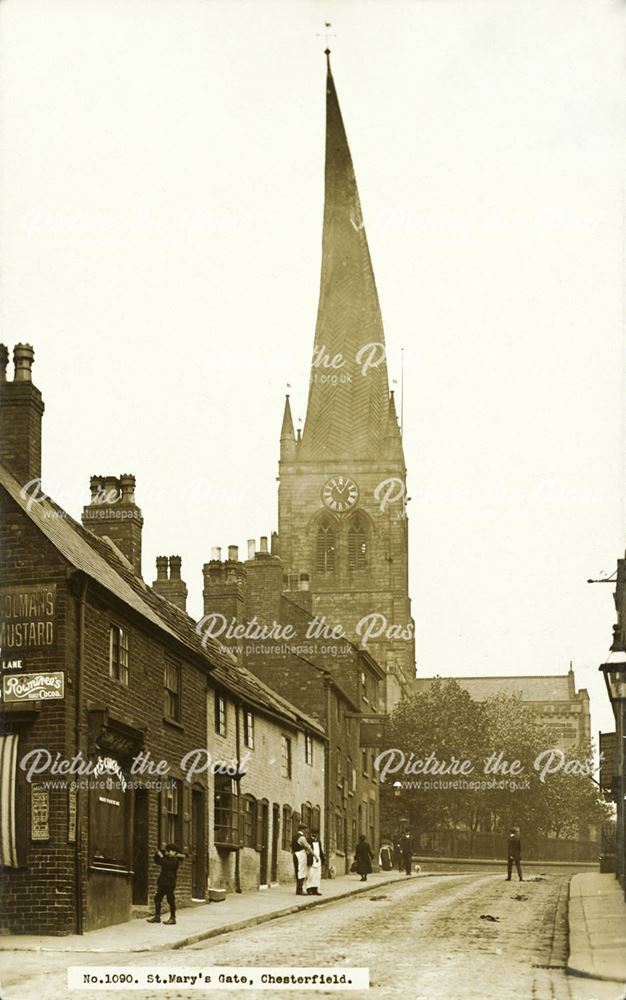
[432,730]
[507,746]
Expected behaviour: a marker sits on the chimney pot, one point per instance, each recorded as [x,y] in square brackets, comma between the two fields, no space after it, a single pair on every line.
[161,565]
[251,548]
[21,412]
[263,547]
[233,553]
[175,565]
[4,360]
[216,553]
[23,357]
[127,486]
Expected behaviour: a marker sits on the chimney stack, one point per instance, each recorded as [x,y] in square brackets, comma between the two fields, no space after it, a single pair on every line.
[21,410]
[112,512]
[170,585]
[225,588]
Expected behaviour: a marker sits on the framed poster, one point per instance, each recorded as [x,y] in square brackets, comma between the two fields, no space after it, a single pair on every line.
[39,813]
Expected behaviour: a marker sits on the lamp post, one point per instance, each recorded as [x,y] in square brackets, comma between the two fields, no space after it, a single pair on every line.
[402,820]
[614,671]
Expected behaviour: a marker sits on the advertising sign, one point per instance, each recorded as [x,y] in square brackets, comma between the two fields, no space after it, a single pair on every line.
[27,617]
[47,685]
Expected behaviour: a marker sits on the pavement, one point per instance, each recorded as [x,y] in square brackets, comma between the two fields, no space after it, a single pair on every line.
[597,927]
[205,920]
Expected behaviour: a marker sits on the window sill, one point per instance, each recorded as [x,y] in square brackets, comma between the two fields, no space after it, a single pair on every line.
[172,722]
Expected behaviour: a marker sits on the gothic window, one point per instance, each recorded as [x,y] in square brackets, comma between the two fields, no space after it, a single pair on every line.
[357,544]
[326,547]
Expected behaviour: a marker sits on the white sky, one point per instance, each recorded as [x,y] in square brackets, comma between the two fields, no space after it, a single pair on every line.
[161,207]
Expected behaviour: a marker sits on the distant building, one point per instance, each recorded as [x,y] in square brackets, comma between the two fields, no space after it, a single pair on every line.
[553,697]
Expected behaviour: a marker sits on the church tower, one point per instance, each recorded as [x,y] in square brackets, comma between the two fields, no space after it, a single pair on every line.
[342,496]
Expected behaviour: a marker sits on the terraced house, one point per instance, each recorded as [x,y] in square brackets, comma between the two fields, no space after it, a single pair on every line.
[103,719]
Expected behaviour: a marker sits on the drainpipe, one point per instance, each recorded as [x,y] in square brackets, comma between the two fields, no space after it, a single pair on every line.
[80,658]
[238,779]
[327,776]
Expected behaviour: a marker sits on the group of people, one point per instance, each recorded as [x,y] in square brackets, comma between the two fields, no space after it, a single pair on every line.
[403,851]
[308,858]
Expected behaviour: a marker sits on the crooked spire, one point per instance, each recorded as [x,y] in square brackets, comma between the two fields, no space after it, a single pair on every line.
[348,404]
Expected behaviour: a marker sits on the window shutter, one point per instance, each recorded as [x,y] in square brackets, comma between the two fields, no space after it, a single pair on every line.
[259,826]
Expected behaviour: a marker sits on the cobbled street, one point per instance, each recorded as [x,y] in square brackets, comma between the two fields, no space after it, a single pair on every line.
[427,939]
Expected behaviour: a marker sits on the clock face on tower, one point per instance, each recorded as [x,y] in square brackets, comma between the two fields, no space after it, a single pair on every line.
[340,493]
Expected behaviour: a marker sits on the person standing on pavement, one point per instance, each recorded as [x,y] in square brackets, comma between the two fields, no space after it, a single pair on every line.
[301,850]
[397,851]
[363,858]
[314,874]
[168,858]
[406,849]
[514,854]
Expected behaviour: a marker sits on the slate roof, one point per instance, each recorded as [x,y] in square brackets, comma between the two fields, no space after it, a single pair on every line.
[349,418]
[532,688]
[102,562]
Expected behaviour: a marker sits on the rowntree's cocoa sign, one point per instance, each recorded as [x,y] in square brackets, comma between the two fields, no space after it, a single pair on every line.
[44,686]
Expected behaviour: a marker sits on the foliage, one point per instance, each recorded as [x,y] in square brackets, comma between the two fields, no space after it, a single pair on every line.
[442,725]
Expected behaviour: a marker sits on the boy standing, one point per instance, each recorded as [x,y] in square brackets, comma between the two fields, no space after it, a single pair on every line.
[168,858]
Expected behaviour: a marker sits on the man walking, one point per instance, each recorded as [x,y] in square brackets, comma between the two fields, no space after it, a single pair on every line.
[514,854]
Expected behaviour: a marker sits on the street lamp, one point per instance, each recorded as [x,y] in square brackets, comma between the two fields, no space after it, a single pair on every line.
[614,671]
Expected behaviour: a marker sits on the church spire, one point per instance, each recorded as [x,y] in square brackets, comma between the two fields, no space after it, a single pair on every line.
[287,436]
[393,434]
[349,393]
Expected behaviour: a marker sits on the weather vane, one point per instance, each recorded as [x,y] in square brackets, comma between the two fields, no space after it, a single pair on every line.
[327,35]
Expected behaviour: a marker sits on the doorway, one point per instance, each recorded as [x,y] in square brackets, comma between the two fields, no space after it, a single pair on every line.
[263,819]
[198,871]
[275,842]
[140,847]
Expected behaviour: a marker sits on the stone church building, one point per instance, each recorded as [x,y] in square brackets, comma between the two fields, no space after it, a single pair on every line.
[342,524]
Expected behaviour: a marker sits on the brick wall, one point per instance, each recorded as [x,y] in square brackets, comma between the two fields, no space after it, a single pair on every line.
[40,895]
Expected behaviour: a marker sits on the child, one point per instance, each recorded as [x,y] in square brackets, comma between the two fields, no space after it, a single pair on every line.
[169,859]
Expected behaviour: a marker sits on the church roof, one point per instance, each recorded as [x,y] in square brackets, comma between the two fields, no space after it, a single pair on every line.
[349,390]
[532,688]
